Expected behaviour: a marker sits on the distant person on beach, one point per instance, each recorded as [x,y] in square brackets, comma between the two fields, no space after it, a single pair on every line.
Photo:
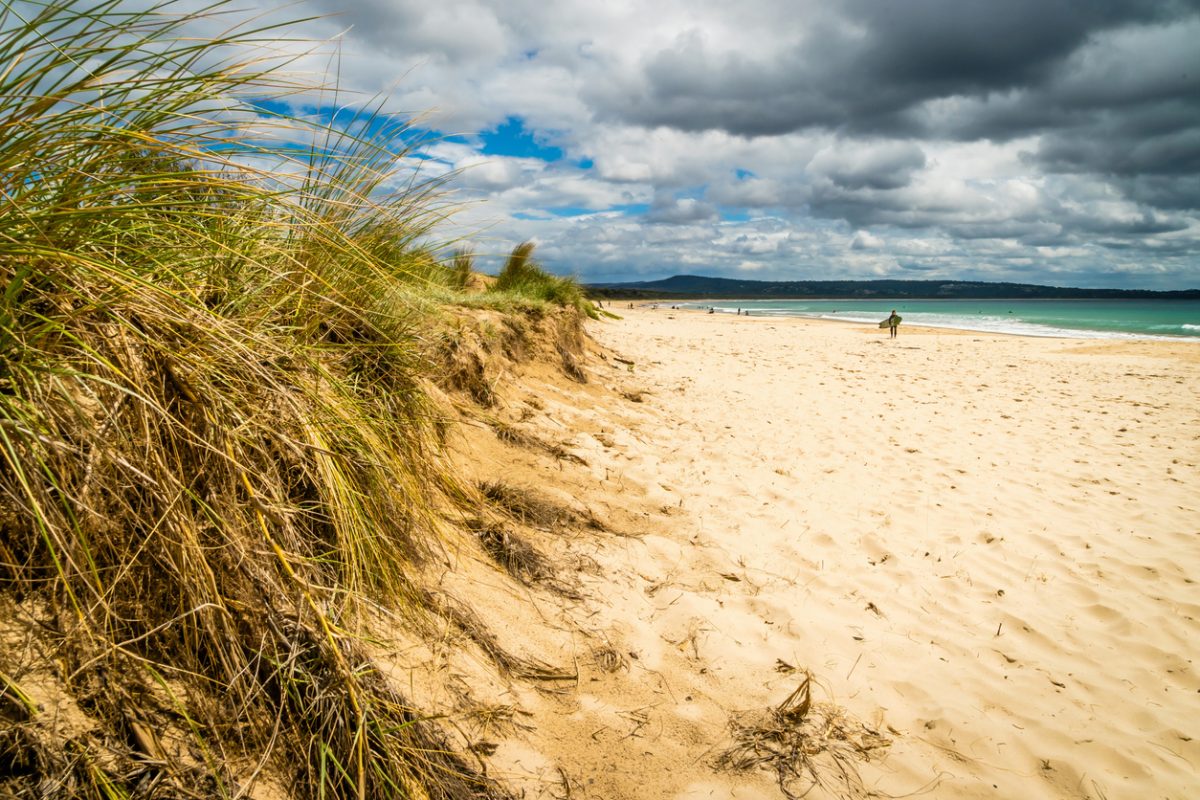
[893,324]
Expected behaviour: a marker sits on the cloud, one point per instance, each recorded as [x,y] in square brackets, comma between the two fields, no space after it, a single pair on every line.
[458,33]
[676,211]
[864,240]
[865,165]
[1047,140]
[859,66]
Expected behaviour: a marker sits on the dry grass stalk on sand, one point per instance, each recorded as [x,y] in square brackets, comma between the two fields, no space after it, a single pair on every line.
[518,557]
[526,506]
[806,744]
[467,622]
[517,437]
[530,508]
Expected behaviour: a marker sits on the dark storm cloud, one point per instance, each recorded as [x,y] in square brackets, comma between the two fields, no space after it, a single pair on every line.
[873,75]
[1126,107]
[452,32]
[1147,224]
[1027,231]
[695,85]
[1109,89]
[1171,192]
[887,166]
[1153,159]
[1127,146]
[938,48]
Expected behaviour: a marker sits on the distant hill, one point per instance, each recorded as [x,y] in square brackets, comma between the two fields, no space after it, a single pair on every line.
[681,287]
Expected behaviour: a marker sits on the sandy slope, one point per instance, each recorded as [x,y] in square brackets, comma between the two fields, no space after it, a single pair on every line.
[987,545]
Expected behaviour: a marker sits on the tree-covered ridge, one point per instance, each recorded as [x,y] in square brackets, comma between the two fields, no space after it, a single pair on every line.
[700,286]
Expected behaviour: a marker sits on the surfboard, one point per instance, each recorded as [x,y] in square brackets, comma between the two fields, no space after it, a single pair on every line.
[887,323]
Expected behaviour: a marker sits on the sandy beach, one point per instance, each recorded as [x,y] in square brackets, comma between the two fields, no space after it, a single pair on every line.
[982,547]
[329,469]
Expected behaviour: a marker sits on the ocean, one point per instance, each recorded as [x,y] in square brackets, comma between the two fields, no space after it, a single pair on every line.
[1079,319]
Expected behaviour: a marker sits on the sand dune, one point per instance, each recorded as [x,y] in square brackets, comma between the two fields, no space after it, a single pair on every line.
[984,547]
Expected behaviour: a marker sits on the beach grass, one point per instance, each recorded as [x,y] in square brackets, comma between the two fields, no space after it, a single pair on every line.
[523,277]
[215,448]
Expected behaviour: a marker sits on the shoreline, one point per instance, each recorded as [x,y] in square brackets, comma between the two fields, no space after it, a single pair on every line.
[1063,333]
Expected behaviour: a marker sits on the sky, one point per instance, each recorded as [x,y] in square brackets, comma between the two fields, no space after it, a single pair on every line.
[1036,141]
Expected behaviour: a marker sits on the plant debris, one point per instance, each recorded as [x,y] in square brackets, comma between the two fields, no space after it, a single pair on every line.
[806,744]
[511,434]
[608,659]
[519,558]
[529,508]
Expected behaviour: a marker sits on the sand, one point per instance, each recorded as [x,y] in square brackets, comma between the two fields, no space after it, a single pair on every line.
[982,547]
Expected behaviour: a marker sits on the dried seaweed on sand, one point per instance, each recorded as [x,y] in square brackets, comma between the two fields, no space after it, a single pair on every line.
[806,744]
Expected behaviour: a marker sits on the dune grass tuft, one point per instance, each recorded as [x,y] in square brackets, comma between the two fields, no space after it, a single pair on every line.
[523,277]
[214,447]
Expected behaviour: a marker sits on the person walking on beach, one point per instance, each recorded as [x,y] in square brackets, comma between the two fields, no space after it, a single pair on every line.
[893,324]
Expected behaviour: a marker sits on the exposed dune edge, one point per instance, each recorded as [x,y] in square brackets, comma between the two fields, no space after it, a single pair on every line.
[987,563]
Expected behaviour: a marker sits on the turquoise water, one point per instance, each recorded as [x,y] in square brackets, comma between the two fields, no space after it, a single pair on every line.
[1084,319]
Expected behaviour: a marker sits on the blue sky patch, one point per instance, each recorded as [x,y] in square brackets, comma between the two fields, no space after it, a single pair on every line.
[270,107]
[368,123]
[631,209]
[512,139]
